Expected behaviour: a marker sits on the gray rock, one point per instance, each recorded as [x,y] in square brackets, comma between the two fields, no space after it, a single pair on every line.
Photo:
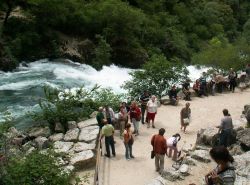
[72,125]
[42,142]
[88,134]
[201,155]
[189,161]
[56,137]
[87,123]
[242,165]
[61,162]
[246,107]
[235,149]
[82,159]
[72,135]
[241,180]
[207,136]
[28,145]
[184,170]
[243,137]
[81,146]
[63,147]
[68,169]
[39,131]
[59,127]
[165,100]
[93,114]
[247,114]
[18,141]
[158,181]
[14,132]
[171,175]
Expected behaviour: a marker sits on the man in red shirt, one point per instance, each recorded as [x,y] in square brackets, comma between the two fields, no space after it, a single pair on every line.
[160,148]
[135,116]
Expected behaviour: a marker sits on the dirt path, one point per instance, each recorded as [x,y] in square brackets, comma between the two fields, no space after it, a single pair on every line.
[206,112]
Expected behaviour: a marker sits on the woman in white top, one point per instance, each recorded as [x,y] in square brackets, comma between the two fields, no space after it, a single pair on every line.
[151,111]
[172,145]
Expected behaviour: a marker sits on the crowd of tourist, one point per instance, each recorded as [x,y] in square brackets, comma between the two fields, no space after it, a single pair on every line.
[145,112]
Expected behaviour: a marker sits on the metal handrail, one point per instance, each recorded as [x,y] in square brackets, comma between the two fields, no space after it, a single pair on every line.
[98,159]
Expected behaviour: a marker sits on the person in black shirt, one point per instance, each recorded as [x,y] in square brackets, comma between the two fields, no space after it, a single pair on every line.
[173,96]
[185,90]
[144,100]
[232,79]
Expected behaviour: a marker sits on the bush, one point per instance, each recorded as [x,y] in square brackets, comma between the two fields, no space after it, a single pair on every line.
[35,168]
[157,76]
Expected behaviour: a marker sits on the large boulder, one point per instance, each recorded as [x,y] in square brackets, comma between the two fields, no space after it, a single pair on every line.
[89,134]
[243,137]
[82,159]
[242,165]
[56,137]
[158,181]
[184,170]
[63,147]
[171,175]
[207,136]
[42,142]
[87,123]
[201,155]
[39,131]
[72,135]
[72,125]
[81,146]
[189,161]
[165,100]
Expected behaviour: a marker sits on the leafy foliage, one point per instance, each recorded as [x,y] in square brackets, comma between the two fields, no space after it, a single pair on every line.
[35,168]
[157,76]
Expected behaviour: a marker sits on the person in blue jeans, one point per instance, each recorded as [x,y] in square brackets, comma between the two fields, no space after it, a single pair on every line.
[128,142]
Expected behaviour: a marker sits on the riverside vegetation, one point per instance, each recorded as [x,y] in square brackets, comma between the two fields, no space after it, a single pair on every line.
[125,32]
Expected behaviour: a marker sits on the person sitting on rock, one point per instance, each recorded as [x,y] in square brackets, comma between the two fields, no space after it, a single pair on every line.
[174,99]
[196,88]
[225,129]
[186,91]
[224,173]
[172,145]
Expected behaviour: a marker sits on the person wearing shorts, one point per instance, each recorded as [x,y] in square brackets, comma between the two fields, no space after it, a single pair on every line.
[151,110]
[185,116]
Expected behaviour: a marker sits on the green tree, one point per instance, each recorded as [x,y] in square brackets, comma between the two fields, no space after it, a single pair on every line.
[157,76]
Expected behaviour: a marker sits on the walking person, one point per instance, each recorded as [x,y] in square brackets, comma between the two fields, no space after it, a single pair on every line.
[159,148]
[172,146]
[135,117]
[144,100]
[100,117]
[151,111]
[128,142]
[224,173]
[109,114]
[108,132]
[122,118]
[232,76]
[185,117]
[225,129]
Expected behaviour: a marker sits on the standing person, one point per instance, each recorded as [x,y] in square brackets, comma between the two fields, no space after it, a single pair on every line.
[100,117]
[135,116]
[174,99]
[185,117]
[186,91]
[248,71]
[126,109]
[232,76]
[128,142]
[159,148]
[108,132]
[203,84]
[225,129]
[224,173]
[242,80]
[196,88]
[172,145]
[122,118]
[152,110]
[109,114]
[213,84]
[144,100]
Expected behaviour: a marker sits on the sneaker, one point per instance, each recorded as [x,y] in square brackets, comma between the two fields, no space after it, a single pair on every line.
[106,155]
[132,157]
[128,159]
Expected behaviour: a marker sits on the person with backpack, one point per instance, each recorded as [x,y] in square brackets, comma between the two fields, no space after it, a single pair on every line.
[159,150]
[224,173]
[172,146]
[128,142]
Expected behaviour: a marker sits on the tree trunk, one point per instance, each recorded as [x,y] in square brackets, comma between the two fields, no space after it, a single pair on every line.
[9,10]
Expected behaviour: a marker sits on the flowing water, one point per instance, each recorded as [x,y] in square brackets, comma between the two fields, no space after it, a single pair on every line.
[21,90]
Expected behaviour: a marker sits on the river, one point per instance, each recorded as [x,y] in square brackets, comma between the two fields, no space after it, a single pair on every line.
[21,90]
